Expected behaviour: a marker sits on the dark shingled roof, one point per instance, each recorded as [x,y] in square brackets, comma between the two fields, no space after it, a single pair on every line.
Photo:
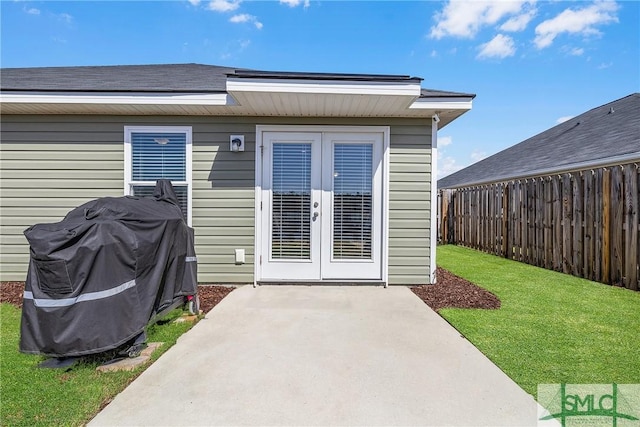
[606,132]
[170,78]
[118,78]
[161,78]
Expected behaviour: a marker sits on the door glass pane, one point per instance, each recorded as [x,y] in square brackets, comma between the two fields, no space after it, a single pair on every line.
[291,201]
[352,201]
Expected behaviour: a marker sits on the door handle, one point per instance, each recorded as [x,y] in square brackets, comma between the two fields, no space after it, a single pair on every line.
[315,215]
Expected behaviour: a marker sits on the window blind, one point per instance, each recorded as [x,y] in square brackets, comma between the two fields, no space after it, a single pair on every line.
[158,155]
[352,201]
[291,201]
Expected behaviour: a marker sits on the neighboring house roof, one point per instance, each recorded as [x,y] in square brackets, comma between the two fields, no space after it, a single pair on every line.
[210,89]
[605,135]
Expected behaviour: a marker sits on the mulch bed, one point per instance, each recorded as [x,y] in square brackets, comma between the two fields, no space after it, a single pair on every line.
[450,291]
[11,292]
[209,295]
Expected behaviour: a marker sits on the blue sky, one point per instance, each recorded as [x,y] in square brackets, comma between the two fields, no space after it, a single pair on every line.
[530,63]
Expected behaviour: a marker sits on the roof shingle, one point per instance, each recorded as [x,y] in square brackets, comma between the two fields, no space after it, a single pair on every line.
[606,132]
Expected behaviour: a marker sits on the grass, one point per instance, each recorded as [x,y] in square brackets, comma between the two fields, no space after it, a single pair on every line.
[31,396]
[551,328]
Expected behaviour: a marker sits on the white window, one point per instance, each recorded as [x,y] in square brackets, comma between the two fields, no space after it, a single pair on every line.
[158,152]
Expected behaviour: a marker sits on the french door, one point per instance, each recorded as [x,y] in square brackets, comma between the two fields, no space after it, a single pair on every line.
[321,210]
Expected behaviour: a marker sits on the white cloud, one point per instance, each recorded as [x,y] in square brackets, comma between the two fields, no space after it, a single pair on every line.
[194,2]
[581,21]
[519,22]
[477,155]
[65,17]
[446,165]
[443,141]
[294,3]
[31,10]
[224,5]
[434,53]
[605,65]
[245,17]
[461,18]
[564,119]
[500,46]
[576,51]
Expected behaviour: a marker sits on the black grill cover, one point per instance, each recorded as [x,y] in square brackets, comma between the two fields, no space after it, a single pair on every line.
[98,277]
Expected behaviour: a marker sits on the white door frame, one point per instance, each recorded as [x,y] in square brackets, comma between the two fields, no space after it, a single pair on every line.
[259,202]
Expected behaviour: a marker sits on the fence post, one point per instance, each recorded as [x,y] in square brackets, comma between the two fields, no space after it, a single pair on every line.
[506,239]
[617,224]
[631,214]
[567,241]
[556,221]
[578,231]
[606,226]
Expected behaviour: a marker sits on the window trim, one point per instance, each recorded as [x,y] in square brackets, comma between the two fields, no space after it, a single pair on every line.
[128,161]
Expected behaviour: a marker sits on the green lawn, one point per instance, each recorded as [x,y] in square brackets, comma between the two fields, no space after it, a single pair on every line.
[551,328]
[30,396]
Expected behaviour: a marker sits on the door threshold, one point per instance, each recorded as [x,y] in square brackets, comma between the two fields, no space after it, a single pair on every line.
[321,283]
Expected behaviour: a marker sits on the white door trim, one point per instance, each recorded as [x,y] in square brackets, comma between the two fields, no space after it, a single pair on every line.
[259,203]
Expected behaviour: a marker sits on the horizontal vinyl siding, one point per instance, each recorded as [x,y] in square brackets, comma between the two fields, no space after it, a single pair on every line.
[409,204]
[45,171]
[223,200]
[51,164]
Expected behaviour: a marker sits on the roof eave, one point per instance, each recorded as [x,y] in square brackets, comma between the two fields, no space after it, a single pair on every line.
[250,97]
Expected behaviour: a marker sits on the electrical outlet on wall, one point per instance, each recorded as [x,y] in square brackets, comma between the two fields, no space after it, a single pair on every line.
[239,256]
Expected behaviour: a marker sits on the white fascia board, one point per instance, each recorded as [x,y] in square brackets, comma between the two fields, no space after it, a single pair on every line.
[323,87]
[442,104]
[221,99]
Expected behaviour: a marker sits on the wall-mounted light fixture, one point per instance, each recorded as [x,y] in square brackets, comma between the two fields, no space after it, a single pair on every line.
[236,143]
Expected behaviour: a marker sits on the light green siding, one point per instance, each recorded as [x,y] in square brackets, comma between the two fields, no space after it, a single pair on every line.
[47,169]
[409,204]
[51,164]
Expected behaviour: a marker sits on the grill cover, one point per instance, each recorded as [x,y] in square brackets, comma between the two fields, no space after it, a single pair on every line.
[97,278]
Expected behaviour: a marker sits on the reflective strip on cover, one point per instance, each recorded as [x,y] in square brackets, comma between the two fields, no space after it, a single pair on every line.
[90,296]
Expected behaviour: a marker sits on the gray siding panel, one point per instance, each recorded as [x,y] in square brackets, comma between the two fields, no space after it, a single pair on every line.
[44,173]
[51,164]
[409,204]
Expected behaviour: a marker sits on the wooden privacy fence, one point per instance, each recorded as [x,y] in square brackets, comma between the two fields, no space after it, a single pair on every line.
[582,223]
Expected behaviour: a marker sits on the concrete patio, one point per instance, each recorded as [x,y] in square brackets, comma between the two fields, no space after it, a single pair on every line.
[324,355]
